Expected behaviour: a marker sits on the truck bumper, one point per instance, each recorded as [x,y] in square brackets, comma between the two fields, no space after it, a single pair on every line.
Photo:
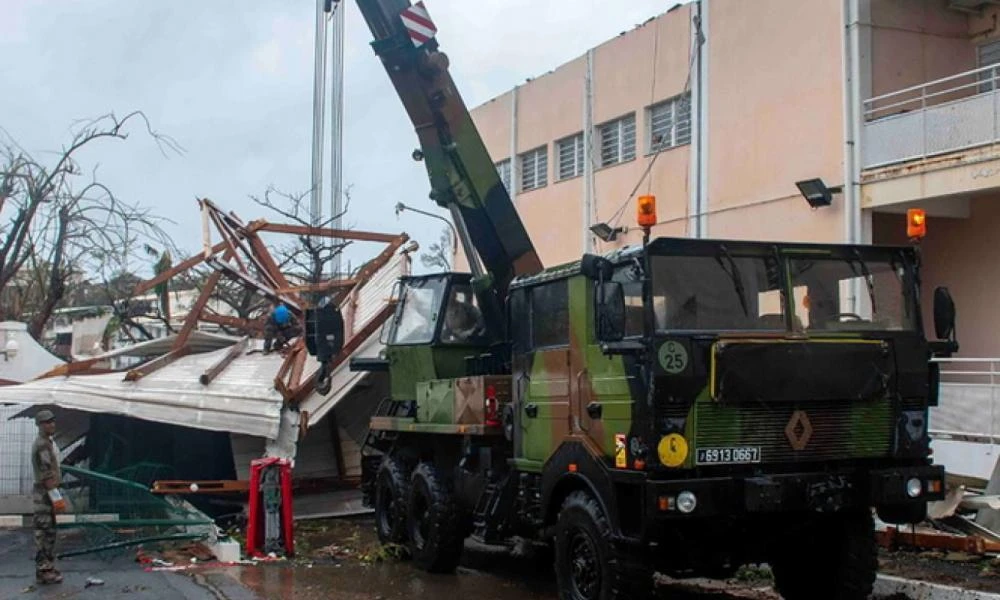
[812,492]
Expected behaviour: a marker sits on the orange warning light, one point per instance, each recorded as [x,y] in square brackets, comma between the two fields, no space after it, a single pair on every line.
[646,213]
[916,223]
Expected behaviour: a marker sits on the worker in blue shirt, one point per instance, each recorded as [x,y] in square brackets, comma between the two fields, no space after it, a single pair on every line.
[280,328]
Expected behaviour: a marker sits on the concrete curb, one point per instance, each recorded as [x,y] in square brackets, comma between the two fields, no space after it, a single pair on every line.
[887,585]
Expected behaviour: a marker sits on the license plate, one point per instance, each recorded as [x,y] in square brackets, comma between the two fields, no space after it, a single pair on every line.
[728,456]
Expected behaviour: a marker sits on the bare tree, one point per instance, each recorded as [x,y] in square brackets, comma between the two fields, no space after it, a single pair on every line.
[438,253]
[58,224]
[306,258]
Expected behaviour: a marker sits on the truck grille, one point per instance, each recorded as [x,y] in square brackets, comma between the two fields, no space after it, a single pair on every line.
[835,430]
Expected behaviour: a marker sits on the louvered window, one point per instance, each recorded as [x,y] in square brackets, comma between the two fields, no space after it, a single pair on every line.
[534,169]
[570,151]
[617,140]
[670,123]
[503,170]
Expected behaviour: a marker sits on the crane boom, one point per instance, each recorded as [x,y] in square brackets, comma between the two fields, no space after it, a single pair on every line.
[462,174]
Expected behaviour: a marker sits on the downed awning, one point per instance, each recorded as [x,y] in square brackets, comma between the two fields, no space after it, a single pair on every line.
[242,399]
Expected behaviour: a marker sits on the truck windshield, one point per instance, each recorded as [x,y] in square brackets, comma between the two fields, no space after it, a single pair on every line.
[854,292]
[421,302]
[717,293]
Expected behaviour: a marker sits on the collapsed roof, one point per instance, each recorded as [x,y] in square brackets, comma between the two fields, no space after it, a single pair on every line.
[226,383]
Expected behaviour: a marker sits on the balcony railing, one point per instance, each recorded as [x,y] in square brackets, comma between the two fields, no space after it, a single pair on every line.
[967,410]
[938,117]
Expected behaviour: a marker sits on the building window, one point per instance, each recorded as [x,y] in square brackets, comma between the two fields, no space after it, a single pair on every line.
[669,123]
[534,168]
[570,152]
[503,170]
[989,54]
[617,140]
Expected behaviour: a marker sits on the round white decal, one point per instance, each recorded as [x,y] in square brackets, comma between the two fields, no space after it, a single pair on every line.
[673,357]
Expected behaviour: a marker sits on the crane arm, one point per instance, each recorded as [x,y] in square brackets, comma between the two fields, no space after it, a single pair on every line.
[462,174]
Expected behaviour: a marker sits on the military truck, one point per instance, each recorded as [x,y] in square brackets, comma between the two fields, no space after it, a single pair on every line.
[685,405]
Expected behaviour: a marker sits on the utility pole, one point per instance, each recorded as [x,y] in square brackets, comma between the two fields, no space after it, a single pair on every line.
[337,127]
[319,88]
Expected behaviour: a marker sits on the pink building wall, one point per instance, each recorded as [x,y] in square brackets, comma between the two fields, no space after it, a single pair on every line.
[959,254]
[915,41]
[775,117]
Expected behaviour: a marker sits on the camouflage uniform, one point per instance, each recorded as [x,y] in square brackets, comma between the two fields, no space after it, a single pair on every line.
[45,463]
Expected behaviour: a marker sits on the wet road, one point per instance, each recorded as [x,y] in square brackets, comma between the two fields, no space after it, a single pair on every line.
[487,573]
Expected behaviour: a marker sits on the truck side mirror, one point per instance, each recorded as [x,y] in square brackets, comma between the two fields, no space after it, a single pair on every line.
[596,267]
[610,307]
[944,314]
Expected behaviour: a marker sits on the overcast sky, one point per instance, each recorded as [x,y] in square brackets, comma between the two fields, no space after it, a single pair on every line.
[232,82]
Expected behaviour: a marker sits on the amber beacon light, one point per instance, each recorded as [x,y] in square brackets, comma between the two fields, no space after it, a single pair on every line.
[916,223]
[646,211]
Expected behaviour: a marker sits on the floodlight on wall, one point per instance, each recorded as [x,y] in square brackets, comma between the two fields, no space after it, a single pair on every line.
[816,193]
[606,232]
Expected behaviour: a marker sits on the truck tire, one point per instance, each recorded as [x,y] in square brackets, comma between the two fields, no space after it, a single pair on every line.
[588,567]
[391,487]
[840,564]
[433,522]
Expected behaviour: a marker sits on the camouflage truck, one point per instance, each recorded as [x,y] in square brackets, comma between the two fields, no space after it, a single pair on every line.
[686,406]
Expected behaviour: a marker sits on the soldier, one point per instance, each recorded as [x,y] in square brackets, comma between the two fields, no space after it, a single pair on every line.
[45,463]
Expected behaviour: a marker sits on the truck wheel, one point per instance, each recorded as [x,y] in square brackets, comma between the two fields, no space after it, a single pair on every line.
[391,487]
[588,567]
[433,521]
[841,563]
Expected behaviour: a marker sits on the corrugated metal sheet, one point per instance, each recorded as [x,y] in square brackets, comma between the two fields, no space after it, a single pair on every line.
[242,399]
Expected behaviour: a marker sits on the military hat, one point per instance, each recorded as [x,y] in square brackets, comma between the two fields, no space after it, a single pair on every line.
[44,416]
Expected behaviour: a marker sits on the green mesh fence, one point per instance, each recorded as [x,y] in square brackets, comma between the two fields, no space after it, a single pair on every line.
[112,514]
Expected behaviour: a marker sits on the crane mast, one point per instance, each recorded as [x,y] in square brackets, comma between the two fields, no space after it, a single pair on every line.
[463,178]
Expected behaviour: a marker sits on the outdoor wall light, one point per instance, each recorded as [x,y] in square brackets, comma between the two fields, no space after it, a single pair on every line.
[816,193]
[606,232]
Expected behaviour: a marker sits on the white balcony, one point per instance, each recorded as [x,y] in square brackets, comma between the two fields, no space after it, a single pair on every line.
[953,114]
[965,426]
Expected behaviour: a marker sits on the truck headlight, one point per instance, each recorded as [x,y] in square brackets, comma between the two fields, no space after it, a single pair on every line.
[686,502]
[914,487]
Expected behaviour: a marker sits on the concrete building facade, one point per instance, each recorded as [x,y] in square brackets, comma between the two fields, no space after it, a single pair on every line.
[718,108]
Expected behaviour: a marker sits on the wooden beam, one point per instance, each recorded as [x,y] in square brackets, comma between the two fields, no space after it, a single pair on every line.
[228,238]
[319,287]
[203,487]
[212,372]
[375,264]
[70,368]
[157,363]
[344,234]
[252,283]
[295,377]
[249,326]
[199,305]
[191,261]
[286,366]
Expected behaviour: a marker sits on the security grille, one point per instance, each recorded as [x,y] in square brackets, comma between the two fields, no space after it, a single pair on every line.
[570,152]
[617,140]
[534,169]
[670,123]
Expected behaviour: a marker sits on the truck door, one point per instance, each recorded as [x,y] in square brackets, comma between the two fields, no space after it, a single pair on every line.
[540,327]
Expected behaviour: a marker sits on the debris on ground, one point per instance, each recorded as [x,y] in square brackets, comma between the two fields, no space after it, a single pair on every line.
[93,581]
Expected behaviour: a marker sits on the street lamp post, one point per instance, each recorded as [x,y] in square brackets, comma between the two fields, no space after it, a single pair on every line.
[400,207]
